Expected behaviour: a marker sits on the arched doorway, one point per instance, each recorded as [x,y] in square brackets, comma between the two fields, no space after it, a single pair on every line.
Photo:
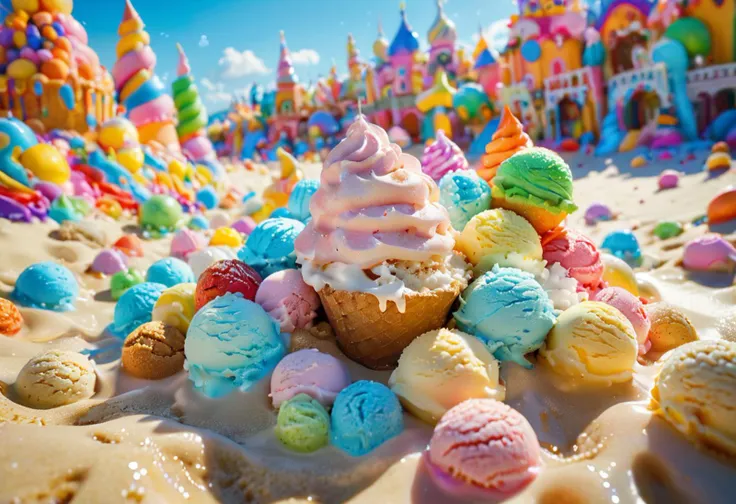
[641,109]
[703,110]
[725,99]
[410,123]
[571,118]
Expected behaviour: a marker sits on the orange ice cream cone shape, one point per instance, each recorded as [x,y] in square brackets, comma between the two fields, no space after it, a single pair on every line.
[192,116]
[277,194]
[508,139]
[142,93]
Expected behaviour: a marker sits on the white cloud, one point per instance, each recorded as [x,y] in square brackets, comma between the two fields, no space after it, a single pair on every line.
[204,41]
[215,91]
[236,64]
[305,57]
[497,34]
[209,85]
[219,97]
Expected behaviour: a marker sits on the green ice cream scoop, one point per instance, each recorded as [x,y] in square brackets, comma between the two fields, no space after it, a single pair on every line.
[303,424]
[536,176]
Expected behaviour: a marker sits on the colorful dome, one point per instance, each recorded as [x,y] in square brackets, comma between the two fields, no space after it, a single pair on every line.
[406,39]
[484,59]
[443,29]
[285,70]
[380,46]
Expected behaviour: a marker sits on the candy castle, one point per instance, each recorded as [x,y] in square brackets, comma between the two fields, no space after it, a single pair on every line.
[49,76]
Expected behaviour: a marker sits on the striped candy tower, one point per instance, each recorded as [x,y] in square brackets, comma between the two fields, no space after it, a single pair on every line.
[147,104]
[192,116]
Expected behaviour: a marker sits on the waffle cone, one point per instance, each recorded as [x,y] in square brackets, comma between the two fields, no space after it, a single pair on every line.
[542,220]
[376,339]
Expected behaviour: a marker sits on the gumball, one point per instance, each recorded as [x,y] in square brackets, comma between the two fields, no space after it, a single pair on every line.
[19,39]
[29,6]
[63,43]
[48,32]
[61,54]
[34,37]
[44,55]
[19,23]
[21,69]
[58,6]
[42,18]
[55,69]
[30,55]
[6,38]
[59,29]
[12,55]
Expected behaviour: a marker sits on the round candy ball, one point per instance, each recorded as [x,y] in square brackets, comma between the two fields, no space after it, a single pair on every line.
[226,237]
[597,212]
[667,229]
[153,351]
[46,163]
[11,320]
[161,213]
[170,271]
[199,222]
[46,285]
[225,276]
[365,415]
[668,179]
[207,196]
[623,244]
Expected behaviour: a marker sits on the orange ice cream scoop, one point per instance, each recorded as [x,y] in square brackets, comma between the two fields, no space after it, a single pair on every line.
[10,318]
[508,139]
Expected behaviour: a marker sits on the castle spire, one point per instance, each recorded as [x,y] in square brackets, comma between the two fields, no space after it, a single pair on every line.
[285,70]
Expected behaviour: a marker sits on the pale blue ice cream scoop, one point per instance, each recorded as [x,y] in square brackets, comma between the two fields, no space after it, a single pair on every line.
[464,194]
[231,344]
[46,285]
[508,311]
[364,416]
[134,308]
[270,247]
[170,271]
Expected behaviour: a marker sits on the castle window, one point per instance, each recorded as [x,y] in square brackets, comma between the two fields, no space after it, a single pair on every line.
[286,107]
[402,72]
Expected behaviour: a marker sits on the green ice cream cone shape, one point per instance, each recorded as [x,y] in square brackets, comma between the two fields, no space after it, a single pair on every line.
[535,183]
[191,114]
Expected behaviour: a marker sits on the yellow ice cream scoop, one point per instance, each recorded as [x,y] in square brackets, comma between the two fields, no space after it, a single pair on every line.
[501,237]
[696,393]
[441,369]
[226,236]
[592,342]
[175,306]
[670,327]
[619,274]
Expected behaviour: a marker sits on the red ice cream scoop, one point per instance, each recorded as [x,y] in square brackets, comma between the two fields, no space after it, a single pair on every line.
[230,275]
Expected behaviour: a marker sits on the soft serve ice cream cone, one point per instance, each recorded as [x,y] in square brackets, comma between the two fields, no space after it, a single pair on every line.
[378,248]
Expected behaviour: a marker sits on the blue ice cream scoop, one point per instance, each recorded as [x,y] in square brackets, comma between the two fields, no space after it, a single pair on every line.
[46,285]
[623,244]
[208,197]
[365,415]
[270,247]
[282,212]
[464,194]
[231,344]
[170,271]
[199,221]
[134,308]
[508,311]
[300,197]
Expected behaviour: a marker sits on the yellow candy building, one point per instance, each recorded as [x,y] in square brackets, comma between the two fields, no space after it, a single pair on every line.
[54,79]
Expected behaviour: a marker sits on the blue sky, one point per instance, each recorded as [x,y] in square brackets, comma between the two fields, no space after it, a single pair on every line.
[232,43]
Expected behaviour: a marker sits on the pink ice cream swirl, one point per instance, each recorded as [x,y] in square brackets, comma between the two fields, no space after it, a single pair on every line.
[374,204]
[442,156]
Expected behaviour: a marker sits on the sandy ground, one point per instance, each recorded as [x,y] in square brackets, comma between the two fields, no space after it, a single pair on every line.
[162,442]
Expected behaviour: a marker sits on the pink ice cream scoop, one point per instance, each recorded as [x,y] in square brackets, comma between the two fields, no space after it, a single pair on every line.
[244,225]
[109,262]
[442,156]
[310,372]
[186,242]
[288,300]
[485,444]
[577,254]
[374,204]
[632,308]
[709,253]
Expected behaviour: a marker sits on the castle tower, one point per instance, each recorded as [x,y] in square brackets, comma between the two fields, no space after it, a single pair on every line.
[354,66]
[401,55]
[442,36]
[487,67]
[354,87]
[288,98]
[192,116]
[380,47]
[148,105]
